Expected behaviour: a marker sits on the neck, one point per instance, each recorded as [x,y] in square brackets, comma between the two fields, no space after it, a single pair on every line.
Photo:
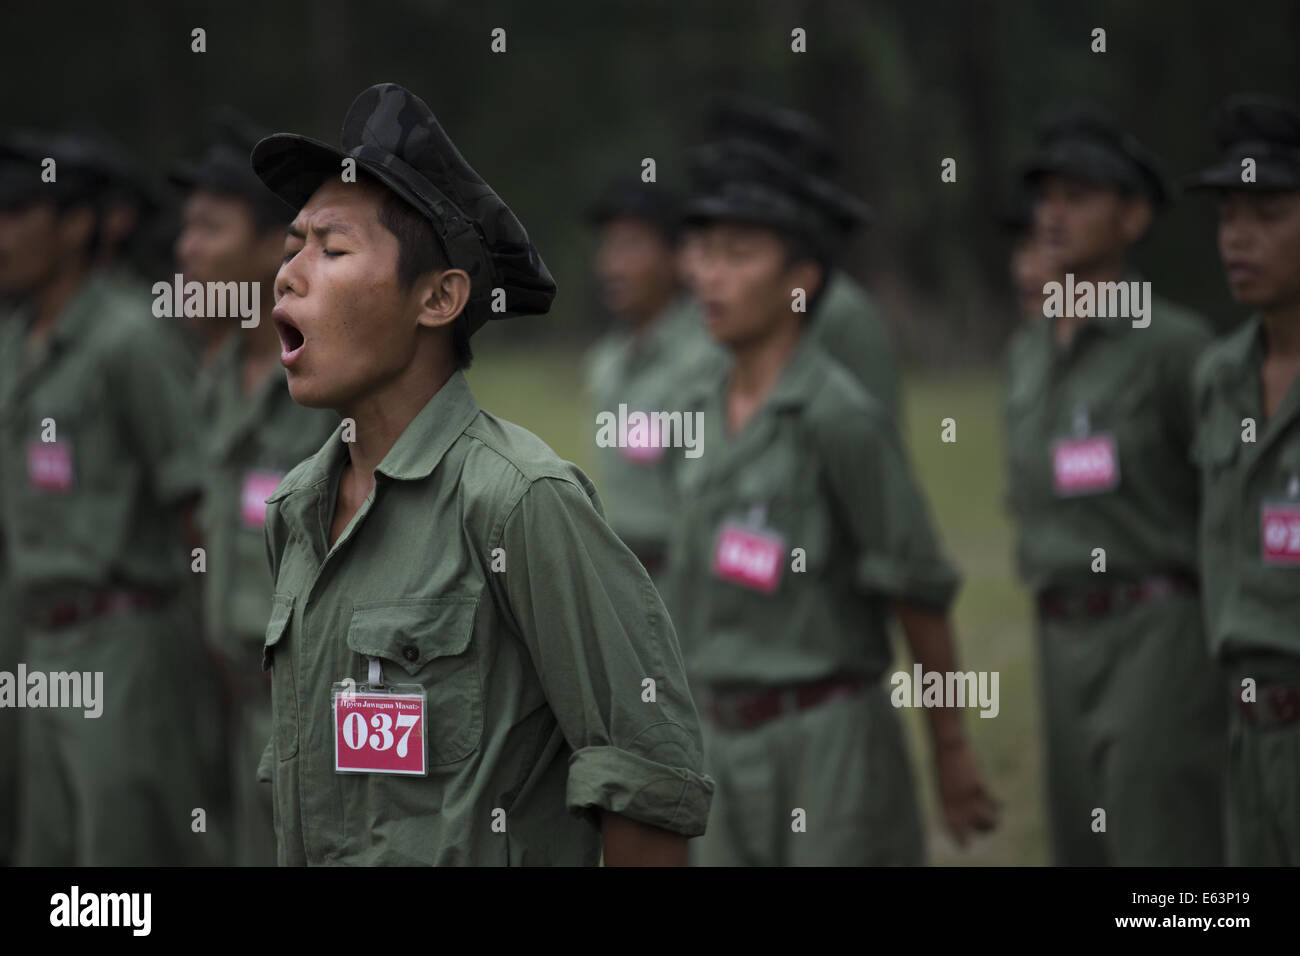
[1282,330]
[53,298]
[758,364]
[381,417]
[642,319]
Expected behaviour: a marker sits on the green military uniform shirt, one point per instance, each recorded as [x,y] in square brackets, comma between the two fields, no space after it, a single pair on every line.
[94,506]
[1112,380]
[646,371]
[848,326]
[1251,604]
[538,708]
[819,467]
[252,443]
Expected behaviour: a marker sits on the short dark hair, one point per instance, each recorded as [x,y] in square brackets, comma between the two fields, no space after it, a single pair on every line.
[419,251]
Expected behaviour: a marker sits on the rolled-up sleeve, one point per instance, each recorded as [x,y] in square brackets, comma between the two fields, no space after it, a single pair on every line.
[896,551]
[608,660]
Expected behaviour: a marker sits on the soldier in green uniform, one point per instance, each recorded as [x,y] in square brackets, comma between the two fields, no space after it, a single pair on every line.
[233,231]
[1247,394]
[848,324]
[1105,495]
[658,346]
[101,473]
[468,665]
[800,529]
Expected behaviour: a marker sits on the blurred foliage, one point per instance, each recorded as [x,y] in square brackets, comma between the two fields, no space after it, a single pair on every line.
[585,90]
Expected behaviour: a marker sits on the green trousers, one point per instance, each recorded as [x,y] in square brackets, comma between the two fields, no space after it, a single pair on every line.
[1134,726]
[253,836]
[1263,773]
[122,789]
[843,764]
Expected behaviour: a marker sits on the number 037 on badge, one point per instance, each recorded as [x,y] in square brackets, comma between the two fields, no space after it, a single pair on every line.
[379,730]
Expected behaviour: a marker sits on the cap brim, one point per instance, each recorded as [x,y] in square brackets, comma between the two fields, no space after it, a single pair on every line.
[294,167]
[1269,177]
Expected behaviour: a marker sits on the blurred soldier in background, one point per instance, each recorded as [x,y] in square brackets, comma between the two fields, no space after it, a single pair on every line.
[848,324]
[799,529]
[99,448]
[658,346]
[1031,265]
[1105,496]
[233,231]
[1248,447]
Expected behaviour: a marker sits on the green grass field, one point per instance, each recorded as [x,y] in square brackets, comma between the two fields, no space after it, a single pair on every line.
[541,390]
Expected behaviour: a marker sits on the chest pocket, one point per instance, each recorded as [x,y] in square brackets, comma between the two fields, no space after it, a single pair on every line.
[1218,438]
[429,642]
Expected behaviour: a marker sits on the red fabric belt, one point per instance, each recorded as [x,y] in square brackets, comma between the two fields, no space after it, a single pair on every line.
[57,614]
[733,710]
[1275,705]
[1072,604]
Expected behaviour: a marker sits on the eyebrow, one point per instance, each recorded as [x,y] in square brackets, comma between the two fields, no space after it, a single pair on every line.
[321,231]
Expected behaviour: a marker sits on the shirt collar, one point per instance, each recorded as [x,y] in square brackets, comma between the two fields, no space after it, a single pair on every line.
[442,420]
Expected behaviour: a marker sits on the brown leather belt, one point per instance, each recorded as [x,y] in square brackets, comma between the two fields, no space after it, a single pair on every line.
[737,710]
[52,615]
[1275,705]
[1074,604]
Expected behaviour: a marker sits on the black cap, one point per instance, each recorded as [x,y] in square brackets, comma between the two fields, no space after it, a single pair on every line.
[1257,127]
[80,173]
[394,136]
[632,198]
[1083,143]
[745,181]
[223,166]
[796,136]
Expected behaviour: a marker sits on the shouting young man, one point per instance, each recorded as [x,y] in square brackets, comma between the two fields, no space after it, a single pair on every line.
[468,665]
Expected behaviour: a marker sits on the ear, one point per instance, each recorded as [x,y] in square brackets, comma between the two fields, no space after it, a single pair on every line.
[1136,216]
[806,275]
[442,295]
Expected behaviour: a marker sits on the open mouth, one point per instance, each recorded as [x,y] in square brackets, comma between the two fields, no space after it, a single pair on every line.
[291,339]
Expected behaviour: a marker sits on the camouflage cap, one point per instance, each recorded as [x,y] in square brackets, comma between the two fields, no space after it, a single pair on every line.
[1084,143]
[394,136]
[1262,128]
[631,198]
[744,181]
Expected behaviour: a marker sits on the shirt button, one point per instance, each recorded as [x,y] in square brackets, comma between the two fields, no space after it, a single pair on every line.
[410,652]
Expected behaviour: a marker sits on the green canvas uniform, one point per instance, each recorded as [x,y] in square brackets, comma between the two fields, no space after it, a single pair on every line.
[252,442]
[1132,707]
[820,468]
[646,371]
[537,711]
[98,560]
[848,326]
[1252,594]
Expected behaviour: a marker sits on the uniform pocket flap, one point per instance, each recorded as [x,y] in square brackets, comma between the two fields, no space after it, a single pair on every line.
[277,626]
[412,633]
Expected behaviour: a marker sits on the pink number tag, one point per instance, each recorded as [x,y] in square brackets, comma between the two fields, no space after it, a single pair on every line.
[1279,533]
[1085,466]
[258,486]
[641,445]
[49,466]
[377,732]
[749,558]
